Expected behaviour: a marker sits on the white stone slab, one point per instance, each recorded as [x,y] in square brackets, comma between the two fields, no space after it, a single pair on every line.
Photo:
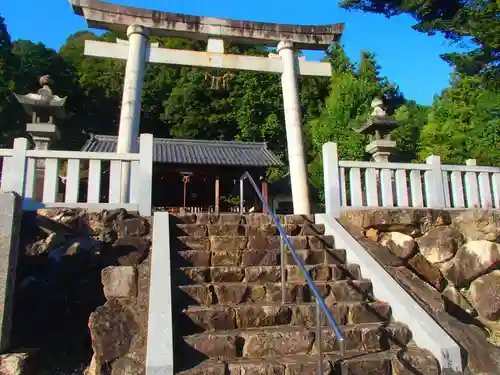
[425,331]
[160,348]
[10,226]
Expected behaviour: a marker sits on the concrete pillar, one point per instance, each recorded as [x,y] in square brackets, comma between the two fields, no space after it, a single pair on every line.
[296,152]
[10,227]
[130,115]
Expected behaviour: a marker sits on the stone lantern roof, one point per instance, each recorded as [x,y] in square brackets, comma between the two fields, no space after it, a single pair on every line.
[378,128]
[380,124]
[43,106]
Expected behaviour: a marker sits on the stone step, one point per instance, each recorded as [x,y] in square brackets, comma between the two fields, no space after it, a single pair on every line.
[197,319]
[263,274]
[204,230]
[256,219]
[289,340]
[237,293]
[200,258]
[285,365]
[258,242]
[394,361]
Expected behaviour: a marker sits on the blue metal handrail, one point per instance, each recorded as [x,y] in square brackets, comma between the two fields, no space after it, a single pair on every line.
[319,299]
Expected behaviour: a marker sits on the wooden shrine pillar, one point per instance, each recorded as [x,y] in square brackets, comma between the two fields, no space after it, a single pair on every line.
[217,194]
[265,194]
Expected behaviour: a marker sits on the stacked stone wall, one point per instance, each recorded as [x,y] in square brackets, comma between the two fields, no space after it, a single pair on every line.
[77,273]
[449,261]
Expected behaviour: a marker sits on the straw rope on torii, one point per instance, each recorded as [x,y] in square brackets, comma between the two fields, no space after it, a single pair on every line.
[215,84]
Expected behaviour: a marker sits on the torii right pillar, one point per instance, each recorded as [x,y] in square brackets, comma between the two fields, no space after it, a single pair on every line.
[293,122]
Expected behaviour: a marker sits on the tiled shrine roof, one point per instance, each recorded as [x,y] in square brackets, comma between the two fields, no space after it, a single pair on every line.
[197,152]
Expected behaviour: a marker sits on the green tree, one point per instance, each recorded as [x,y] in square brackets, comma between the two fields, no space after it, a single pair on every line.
[411,118]
[476,21]
[35,60]
[348,104]
[347,107]
[464,123]
[7,62]
[96,98]
[189,110]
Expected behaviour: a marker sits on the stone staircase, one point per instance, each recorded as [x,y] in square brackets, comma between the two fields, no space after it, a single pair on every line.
[228,314]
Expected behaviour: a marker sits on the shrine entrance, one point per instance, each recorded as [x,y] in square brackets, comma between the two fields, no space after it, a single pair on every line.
[140,24]
[201,176]
[197,189]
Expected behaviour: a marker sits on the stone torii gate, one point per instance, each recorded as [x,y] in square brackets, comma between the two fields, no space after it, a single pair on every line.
[139,24]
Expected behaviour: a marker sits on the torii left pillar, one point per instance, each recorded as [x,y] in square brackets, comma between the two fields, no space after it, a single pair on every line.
[130,115]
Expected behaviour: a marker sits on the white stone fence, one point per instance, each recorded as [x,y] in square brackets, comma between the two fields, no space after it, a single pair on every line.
[36,176]
[357,185]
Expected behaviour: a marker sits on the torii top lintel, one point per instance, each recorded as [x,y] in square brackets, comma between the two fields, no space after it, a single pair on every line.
[103,15]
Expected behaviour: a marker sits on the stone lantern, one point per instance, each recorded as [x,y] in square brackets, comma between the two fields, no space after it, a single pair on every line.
[43,107]
[378,128]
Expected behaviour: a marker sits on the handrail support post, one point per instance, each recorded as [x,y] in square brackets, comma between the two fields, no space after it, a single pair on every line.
[282,250]
[320,303]
[319,339]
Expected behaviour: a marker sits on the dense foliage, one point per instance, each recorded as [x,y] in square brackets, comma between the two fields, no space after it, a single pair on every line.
[462,123]
[476,21]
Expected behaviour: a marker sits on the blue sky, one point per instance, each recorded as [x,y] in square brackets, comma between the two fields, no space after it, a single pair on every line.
[408,58]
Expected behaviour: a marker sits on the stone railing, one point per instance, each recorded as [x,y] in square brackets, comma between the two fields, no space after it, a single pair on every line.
[355,185]
[36,176]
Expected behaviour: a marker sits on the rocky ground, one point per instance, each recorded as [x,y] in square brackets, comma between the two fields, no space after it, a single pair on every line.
[63,256]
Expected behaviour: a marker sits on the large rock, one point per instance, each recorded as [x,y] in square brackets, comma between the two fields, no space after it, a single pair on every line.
[440,244]
[410,222]
[82,244]
[125,366]
[415,361]
[478,225]
[454,298]
[17,364]
[119,282]
[381,218]
[131,250]
[379,252]
[372,234]
[133,226]
[400,244]
[472,260]
[485,295]
[482,357]
[427,271]
[112,328]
